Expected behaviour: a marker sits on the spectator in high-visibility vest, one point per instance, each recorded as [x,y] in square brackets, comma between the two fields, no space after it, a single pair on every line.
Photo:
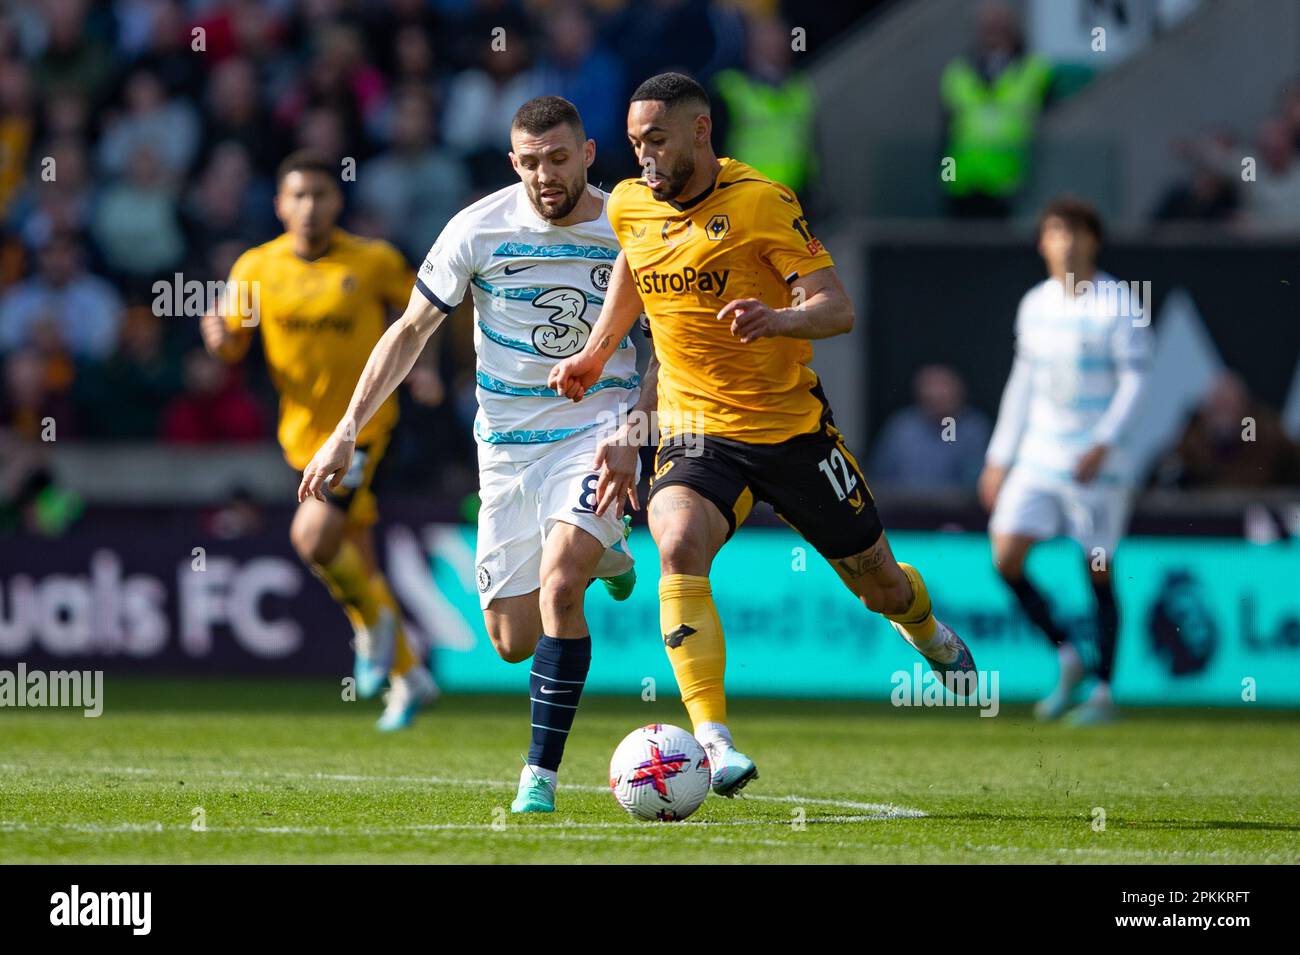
[766,115]
[992,99]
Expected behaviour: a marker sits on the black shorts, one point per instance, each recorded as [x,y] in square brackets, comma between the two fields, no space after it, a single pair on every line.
[812,481]
[355,495]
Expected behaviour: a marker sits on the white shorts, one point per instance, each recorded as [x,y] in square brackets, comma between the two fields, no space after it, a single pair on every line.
[1095,515]
[521,502]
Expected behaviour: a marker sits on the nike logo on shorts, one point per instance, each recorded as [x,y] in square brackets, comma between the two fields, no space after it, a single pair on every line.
[548,691]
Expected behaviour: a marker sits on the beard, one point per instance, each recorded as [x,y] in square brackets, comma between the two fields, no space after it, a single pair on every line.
[675,179]
[572,195]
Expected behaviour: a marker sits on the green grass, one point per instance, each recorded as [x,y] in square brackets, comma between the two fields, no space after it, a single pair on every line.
[285,772]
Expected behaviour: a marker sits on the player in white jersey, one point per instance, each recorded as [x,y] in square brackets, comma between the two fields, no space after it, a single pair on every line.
[1055,464]
[536,258]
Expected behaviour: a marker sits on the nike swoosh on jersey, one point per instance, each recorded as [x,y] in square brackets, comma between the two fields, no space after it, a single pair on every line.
[509,271]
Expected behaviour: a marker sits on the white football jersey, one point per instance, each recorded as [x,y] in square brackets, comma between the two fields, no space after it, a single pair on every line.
[537,289]
[1076,349]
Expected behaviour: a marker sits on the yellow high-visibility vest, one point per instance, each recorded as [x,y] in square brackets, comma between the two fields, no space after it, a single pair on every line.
[771,127]
[992,125]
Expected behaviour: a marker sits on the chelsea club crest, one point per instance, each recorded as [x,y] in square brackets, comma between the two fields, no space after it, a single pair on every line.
[600,277]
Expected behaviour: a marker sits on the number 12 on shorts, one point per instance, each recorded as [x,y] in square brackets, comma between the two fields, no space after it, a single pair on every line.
[835,462]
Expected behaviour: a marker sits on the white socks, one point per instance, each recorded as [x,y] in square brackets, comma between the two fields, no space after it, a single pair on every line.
[415,683]
[939,647]
[714,734]
[529,772]
[1071,664]
[1100,695]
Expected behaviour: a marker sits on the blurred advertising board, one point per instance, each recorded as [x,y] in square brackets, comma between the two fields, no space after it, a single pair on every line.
[1206,622]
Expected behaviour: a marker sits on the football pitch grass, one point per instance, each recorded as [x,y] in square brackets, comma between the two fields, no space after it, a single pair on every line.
[283,771]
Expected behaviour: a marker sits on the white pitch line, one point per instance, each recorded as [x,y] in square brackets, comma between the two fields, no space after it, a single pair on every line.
[18,825]
[644,833]
[869,811]
[641,832]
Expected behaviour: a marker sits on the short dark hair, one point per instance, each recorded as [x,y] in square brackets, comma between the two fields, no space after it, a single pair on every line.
[1074,212]
[671,89]
[543,113]
[305,160]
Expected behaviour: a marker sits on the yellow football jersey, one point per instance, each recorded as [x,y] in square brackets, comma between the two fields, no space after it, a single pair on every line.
[319,321]
[746,237]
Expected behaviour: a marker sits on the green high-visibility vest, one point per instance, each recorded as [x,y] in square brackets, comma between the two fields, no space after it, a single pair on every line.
[771,127]
[992,125]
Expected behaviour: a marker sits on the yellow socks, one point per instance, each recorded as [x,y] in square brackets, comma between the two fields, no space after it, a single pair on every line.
[363,596]
[348,580]
[696,649]
[917,620]
[403,656]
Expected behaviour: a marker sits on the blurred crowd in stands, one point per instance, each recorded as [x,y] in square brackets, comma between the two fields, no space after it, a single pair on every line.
[995,94]
[993,97]
[937,442]
[138,140]
[1216,164]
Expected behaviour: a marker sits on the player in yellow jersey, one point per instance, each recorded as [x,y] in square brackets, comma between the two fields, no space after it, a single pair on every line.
[320,297]
[736,287]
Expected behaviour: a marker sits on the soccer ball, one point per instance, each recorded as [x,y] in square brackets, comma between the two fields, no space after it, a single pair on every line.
[659,772]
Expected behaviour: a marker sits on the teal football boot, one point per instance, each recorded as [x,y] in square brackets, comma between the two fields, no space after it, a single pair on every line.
[730,770]
[950,673]
[1095,710]
[374,649]
[409,694]
[620,587]
[1054,705]
[536,794]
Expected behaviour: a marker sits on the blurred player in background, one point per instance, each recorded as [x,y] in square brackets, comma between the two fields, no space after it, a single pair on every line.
[320,297]
[736,287]
[536,257]
[1055,462]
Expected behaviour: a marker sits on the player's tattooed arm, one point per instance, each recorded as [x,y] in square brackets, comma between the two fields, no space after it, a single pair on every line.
[820,308]
[390,362]
[619,313]
[649,399]
[572,377]
[618,454]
